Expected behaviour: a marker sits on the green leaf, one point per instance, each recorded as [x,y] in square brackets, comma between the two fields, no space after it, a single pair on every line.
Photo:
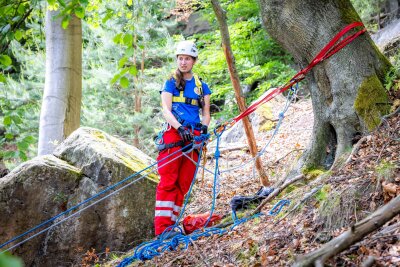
[9,155]
[2,78]
[18,35]
[62,3]
[122,62]
[84,2]
[51,2]
[65,22]
[5,60]
[29,139]
[107,16]
[117,38]
[21,9]
[124,82]
[9,136]
[128,39]
[22,155]
[7,121]
[22,146]
[129,2]
[129,51]
[16,119]
[133,70]
[80,12]
[115,78]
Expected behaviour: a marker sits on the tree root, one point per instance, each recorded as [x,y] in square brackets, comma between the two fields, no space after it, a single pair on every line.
[351,236]
[356,148]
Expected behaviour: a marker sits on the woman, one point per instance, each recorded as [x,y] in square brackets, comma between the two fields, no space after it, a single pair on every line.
[182,97]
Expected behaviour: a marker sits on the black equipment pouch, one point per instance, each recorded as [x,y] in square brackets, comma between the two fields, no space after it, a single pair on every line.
[162,147]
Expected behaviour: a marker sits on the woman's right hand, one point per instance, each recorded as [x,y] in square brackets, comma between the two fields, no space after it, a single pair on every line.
[185,134]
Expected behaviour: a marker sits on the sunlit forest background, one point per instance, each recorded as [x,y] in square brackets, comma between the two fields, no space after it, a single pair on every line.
[116,72]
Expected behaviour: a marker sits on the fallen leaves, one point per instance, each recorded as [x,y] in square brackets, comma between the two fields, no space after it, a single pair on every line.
[390,190]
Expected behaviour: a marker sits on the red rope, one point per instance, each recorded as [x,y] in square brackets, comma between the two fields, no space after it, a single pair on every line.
[330,49]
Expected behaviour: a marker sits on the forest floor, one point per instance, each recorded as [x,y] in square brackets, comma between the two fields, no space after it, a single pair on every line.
[346,195]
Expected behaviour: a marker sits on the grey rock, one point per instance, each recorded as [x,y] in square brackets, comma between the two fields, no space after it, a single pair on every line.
[87,162]
[196,24]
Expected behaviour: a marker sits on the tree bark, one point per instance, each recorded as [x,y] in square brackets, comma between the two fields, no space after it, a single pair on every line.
[61,106]
[221,16]
[351,236]
[347,91]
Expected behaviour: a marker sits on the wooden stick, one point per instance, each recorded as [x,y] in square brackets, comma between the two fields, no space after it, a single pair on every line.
[351,236]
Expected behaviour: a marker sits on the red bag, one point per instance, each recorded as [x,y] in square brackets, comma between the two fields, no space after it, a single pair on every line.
[197,221]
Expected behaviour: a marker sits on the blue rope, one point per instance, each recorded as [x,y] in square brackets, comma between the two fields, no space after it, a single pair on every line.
[202,138]
[281,116]
[216,175]
[148,250]
[84,202]
[276,209]
[151,249]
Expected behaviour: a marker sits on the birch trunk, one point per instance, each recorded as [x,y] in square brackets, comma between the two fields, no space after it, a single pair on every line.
[347,91]
[61,106]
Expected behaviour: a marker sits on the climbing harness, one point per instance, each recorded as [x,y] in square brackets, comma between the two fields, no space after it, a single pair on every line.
[191,101]
[150,249]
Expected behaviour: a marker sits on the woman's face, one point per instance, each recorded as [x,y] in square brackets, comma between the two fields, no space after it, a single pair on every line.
[185,63]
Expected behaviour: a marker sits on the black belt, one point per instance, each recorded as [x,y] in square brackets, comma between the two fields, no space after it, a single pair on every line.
[170,145]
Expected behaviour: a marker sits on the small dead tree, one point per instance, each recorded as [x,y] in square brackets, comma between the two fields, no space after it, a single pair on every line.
[230,59]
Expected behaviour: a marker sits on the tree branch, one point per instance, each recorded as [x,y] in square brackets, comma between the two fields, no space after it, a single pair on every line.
[351,236]
[276,192]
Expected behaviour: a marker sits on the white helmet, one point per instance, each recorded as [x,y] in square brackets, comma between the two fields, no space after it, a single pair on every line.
[187,48]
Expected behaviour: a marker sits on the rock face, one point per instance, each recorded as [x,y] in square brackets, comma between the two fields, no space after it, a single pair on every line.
[84,164]
[196,24]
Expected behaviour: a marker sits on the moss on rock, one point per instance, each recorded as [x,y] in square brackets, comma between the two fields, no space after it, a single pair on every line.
[371,102]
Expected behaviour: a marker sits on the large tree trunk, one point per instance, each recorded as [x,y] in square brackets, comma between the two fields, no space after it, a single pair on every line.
[347,93]
[61,106]
[226,46]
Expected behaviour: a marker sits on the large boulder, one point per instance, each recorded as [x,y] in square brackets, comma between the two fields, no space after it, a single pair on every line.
[86,163]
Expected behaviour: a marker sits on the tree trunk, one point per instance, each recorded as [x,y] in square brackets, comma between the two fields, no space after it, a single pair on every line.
[351,236]
[138,89]
[347,91]
[226,45]
[61,106]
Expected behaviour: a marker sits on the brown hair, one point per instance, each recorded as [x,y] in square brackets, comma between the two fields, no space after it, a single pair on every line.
[179,80]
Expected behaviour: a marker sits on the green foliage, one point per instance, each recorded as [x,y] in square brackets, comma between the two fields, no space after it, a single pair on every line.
[115,36]
[393,75]
[259,60]
[367,9]
[7,260]
[323,193]
[68,9]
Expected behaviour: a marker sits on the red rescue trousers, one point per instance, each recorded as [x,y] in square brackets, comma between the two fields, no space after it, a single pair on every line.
[176,174]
